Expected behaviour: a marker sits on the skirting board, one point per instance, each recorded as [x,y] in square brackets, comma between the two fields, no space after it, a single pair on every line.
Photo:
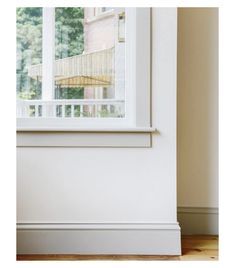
[146,239]
[195,220]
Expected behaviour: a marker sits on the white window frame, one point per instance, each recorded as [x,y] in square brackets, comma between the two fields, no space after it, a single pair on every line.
[137,84]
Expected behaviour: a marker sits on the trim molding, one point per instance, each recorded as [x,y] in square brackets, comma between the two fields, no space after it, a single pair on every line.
[198,220]
[198,210]
[99,238]
[98,226]
[84,139]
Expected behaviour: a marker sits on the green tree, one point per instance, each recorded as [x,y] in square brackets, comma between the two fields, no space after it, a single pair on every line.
[69,32]
[29,49]
[69,41]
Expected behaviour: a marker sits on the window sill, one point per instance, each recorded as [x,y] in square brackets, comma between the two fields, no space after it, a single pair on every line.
[89,129]
[86,137]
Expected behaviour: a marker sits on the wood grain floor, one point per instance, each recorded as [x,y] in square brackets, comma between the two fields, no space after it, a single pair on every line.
[194,248]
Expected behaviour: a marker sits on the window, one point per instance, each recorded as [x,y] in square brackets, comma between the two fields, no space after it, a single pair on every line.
[74,71]
[104,9]
[29,53]
[98,11]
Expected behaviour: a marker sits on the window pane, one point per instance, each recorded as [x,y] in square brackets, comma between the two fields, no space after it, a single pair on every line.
[90,62]
[69,42]
[29,53]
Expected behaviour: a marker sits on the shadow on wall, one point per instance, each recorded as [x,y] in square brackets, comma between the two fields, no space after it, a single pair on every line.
[197,112]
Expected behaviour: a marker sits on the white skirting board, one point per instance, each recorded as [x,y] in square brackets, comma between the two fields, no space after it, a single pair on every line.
[198,220]
[146,239]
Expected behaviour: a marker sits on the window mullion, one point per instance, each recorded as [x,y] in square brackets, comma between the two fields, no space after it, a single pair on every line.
[48,54]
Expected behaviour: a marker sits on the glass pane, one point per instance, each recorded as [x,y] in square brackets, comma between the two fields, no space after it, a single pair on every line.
[29,53]
[90,61]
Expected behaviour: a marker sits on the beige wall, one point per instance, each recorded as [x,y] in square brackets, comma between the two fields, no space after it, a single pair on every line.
[99,33]
[198,107]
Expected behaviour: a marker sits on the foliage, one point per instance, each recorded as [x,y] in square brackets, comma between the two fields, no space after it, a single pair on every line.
[69,93]
[69,32]
[26,95]
[69,42]
[29,48]
[105,113]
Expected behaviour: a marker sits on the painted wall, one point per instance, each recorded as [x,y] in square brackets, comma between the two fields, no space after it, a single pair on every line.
[56,184]
[197,107]
[112,185]
[108,188]
[98,33]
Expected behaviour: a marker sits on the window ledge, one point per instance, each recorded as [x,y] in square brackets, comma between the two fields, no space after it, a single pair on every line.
[89,129]
[85,137]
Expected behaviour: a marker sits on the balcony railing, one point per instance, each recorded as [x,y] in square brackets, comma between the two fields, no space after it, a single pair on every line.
[70,108]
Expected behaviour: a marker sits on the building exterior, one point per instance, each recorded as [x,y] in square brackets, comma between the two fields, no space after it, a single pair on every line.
[101,32]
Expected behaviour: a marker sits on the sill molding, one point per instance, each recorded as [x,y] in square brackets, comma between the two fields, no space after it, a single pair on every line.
[89,129]
[118,138]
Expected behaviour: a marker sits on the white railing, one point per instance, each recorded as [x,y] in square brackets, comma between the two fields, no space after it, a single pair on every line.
[70,108]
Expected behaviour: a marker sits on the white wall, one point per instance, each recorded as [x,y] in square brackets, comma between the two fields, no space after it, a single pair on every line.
[197,107]
[111,185]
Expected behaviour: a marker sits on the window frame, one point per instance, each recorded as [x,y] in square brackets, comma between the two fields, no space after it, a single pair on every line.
[137,88]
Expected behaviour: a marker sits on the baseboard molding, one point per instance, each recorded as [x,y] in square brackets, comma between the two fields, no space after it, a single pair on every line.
[146,239]
[198,220]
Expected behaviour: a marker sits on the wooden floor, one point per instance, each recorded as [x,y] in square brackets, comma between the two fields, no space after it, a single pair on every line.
[193,248]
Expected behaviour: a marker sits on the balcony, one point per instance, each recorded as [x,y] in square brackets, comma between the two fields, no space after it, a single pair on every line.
[89,70]
[70,108]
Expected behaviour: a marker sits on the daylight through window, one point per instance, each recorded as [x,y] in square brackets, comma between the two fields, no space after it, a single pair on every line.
[88,62]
